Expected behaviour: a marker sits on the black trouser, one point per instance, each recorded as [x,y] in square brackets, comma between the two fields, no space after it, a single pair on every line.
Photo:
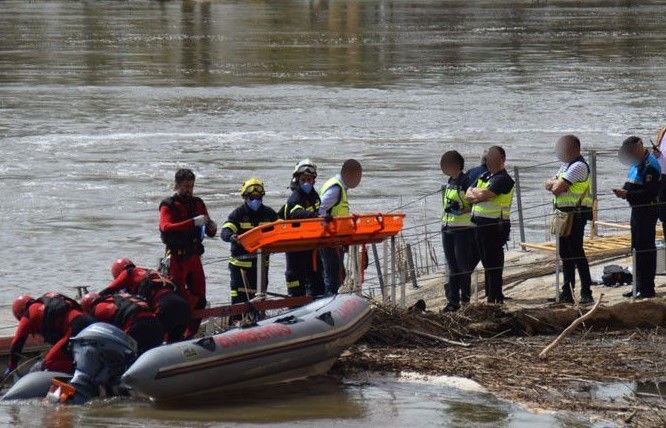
[490,238]
[244,282]
[461,259]
[334,269]
[304,273]
[148,333]
[573,256]
[175,314]
[662,203]
[643,223]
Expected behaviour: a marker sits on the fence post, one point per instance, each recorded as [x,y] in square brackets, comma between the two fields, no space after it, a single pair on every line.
[410,263]
[380,277]
[393,255]
[557,268]
[595,202]
[519,202]
[634,282]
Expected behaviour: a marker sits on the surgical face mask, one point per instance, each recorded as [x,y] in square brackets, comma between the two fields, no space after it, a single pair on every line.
[254,204]
[306,187]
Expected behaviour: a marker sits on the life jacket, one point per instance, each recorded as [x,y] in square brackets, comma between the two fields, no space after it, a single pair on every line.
[341,209]
[128,307]
[186,242]
[152,283]
[242,220]
[56,307]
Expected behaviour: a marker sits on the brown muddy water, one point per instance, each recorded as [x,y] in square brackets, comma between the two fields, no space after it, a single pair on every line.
[101,101]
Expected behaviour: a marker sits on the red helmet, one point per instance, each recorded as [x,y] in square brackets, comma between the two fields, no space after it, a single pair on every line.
[87,302]
[20,305]
[120,265]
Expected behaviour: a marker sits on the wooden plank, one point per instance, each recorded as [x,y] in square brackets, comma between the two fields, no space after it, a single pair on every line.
[241,308]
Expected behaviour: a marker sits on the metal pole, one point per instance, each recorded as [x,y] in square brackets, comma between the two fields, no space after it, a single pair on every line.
[403,280]
[385,261]
[476,288]
[557,269]
[260,272]
[357,270]
[378,266]
[519,202]
[393,273]
[410,262]
[634,288]
[593,178]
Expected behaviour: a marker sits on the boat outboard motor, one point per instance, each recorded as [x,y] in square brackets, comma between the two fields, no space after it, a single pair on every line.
[102,353]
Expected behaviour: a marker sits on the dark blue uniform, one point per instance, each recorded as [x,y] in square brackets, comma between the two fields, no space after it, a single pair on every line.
[642,186]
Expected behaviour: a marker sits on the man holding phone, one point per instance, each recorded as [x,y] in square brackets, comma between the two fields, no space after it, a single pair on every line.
[641,190]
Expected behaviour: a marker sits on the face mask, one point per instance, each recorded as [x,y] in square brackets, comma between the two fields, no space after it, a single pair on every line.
[306,187]
[254,204]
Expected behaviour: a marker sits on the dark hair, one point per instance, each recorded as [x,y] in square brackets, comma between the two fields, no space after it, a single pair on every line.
[184,174]
[631,141]
[499,150]
[571,140]
[452,156]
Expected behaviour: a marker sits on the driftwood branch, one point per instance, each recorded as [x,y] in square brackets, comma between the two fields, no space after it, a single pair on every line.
[567,331]
[432,336]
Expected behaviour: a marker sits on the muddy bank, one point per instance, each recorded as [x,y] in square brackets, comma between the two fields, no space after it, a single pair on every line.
[623,345]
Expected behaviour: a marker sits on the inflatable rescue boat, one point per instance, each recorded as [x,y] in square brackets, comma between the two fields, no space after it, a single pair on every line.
[296,344]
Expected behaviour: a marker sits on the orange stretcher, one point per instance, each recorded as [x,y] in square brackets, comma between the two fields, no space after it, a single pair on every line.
[307,234]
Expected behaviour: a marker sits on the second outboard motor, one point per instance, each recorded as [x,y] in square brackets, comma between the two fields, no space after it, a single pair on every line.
[102,353]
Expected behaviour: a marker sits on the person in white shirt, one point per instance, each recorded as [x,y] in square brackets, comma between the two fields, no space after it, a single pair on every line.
[658,149]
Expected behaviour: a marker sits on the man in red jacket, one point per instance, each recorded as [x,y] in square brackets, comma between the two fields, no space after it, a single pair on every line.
[129,313]
[54,317]
[159,291]
[184,221]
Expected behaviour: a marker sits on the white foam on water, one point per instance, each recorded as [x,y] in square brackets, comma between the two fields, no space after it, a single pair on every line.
[457,382]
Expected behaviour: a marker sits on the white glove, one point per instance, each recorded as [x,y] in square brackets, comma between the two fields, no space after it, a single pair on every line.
[199,220]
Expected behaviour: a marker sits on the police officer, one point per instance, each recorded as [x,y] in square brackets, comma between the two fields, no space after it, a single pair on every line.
[641,190]
[334,203]
[242,265]
[491,199]
[571,187]
[457,231]
[303,274]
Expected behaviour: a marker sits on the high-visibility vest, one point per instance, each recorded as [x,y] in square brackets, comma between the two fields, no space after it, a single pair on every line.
[341,209]
[578,194]
[449,195]
[498,207]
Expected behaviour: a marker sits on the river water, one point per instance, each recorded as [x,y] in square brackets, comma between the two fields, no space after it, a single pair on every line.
[100,102]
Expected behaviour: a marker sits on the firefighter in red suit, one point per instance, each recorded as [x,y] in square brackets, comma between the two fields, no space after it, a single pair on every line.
[159,291]
[132,314]
[184,221]
[54,317]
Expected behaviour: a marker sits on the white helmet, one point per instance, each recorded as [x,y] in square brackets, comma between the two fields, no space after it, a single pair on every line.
[306,166]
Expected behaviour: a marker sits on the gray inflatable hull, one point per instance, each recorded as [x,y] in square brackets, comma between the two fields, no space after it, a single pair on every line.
[33,385]
[300,343]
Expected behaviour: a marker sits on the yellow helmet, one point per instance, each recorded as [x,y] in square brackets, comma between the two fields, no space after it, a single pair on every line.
[253,187]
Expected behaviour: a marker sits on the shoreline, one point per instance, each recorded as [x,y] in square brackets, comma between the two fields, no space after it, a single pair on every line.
[603,375]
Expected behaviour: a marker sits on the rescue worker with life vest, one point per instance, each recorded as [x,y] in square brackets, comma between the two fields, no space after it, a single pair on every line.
[131,314]
[491,197]
[641,191]
[457,232]
[334,203]
[184,222]
[242,265]
[56,318]
[171,309]
[572,190]
[304,271]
